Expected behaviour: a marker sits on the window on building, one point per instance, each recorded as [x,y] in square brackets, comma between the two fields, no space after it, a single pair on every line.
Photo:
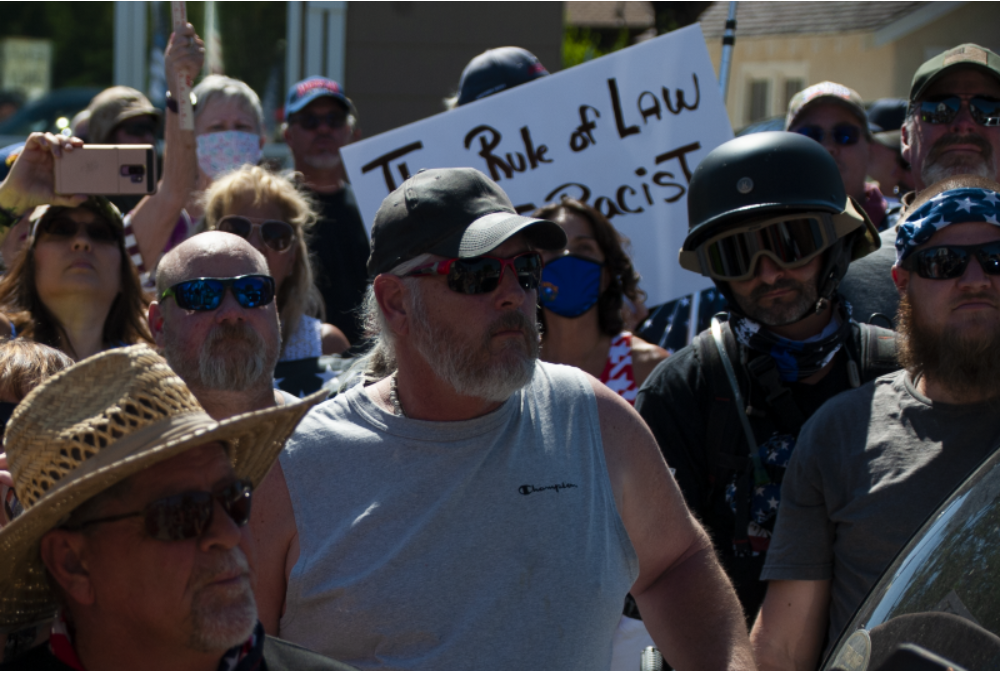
[758,100]
[793,85]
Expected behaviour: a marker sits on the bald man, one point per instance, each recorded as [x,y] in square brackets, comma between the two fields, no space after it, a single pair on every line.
[225,352]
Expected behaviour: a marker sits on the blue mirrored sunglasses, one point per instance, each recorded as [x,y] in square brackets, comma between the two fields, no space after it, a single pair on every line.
[205,294]
[943,110]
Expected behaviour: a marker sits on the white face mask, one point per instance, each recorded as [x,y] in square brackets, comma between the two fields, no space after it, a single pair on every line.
[227,150]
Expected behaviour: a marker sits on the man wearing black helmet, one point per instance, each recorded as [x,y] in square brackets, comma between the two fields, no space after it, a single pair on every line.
[772,226]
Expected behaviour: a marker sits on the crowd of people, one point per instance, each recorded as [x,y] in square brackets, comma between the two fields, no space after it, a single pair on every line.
[509,477]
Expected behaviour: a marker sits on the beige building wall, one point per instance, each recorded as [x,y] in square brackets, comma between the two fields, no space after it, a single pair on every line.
[976,22]
[877,64]
[403,58]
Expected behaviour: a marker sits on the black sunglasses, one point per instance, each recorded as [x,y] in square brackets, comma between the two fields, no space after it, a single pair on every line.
[842,134]
[275,234]
[189,514]
[205,294]
[944,109]
[64,228]
[475,275]
[948,262]
[310,122]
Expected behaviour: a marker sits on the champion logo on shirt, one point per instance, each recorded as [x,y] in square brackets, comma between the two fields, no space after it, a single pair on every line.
[527,489]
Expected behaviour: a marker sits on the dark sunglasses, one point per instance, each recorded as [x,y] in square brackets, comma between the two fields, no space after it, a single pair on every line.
[948,262]
[944,109]
[842,134]
[64,228]
[205,294]
[311,122]
[475,275]
[187,515]
[275,234]
[790,242]
[138,129]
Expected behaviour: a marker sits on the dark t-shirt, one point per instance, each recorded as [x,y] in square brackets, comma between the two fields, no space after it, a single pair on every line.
[340,243]
[675,401]
[868,285]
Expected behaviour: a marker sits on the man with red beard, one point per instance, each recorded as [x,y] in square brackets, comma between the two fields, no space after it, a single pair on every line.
[467,506]
[952,128]
[875,462]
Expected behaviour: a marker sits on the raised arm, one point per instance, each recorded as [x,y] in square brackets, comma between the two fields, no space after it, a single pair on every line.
[154,218]
[686,599]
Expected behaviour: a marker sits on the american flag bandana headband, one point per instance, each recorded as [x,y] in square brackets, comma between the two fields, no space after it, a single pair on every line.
[966,204]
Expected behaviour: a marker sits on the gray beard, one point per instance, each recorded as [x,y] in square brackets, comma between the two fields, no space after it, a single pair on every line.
[780,313]
[323,162]
[477,369]
[938,166]
[233,358]
[965,362]
[222,617]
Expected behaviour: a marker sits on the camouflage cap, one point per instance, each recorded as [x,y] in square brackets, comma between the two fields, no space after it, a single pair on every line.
[826,91]
[962,56]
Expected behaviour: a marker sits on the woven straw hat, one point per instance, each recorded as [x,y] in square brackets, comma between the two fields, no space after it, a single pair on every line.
[95,424]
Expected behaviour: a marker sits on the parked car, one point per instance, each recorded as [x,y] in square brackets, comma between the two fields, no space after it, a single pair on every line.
[942,593]
[42,113]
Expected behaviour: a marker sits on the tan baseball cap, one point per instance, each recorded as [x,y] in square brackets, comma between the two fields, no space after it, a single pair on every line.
[113,106]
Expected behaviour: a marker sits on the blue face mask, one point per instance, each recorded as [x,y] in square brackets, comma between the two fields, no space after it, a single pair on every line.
[570,285]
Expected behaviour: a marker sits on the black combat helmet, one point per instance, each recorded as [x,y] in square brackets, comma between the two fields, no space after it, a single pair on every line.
[763,176]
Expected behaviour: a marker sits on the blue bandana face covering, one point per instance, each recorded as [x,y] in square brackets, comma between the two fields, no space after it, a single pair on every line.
[570,285]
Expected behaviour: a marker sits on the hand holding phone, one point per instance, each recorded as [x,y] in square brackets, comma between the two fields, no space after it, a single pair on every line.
[107,169]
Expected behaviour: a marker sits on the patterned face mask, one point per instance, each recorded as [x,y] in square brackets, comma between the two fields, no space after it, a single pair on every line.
[227,150]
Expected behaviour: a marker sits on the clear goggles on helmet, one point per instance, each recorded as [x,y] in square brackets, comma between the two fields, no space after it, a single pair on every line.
[789,240]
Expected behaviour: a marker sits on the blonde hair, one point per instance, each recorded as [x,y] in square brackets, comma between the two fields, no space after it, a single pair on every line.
[257,186]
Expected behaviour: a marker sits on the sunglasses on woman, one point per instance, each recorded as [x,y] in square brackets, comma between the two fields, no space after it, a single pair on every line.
[475,275]
[277,235]
[948,262]
[944,109]
[205,294]
[189,514]
[64,228]
[842,134]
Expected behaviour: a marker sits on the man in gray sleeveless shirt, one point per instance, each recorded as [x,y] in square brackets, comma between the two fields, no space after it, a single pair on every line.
[466,506]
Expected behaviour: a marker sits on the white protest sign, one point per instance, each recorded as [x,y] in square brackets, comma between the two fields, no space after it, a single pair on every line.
[622,133]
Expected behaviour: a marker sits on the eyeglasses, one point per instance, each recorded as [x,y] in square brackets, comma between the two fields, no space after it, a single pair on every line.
[138,129]
[475,275]
[310,122]
[948,262]
[790,242]
[187,515]
[64,228]
[842,134]
[944,109]
[276,234]
[205,294]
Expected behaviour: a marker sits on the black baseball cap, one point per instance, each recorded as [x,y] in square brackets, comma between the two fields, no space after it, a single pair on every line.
[451,212]
[497,69]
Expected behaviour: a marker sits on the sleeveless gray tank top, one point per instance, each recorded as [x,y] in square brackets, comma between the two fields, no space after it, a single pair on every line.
[492,543]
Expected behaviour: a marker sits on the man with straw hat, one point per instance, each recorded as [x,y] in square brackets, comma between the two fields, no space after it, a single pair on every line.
[121,540]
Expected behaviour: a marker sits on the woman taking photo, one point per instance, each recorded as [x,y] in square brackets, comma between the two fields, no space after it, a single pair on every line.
[267,210]
[582,297]
[72,286]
